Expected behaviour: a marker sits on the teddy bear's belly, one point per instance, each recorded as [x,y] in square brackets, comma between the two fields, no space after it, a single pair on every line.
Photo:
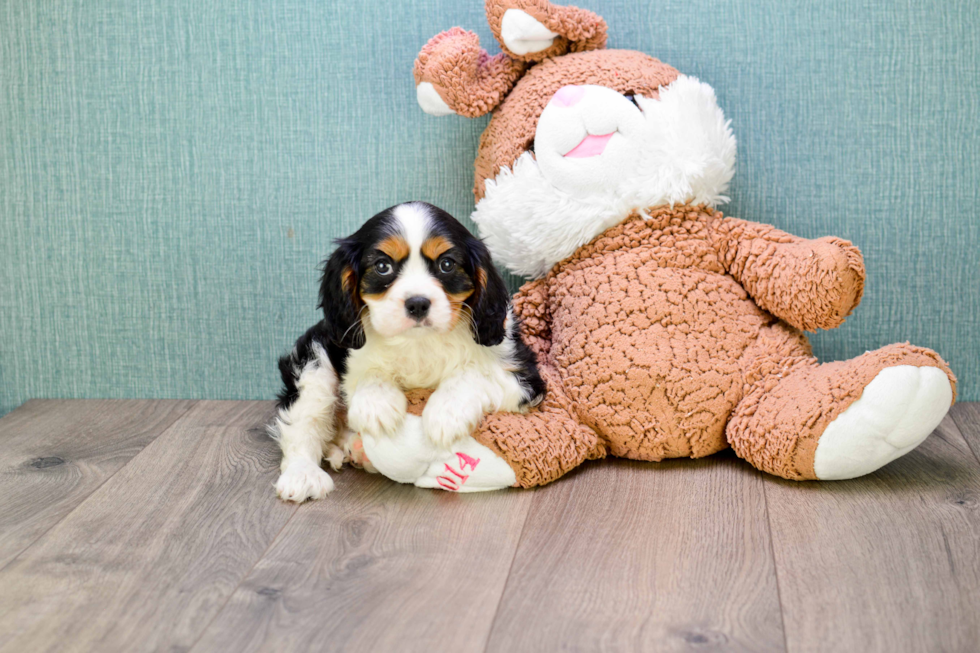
[653,363]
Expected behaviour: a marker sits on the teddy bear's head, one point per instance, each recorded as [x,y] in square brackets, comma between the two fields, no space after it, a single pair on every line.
[581,137]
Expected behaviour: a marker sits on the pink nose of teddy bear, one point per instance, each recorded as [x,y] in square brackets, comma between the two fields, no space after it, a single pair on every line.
[568,96]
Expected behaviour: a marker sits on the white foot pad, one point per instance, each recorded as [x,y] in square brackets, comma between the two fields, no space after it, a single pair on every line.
[303,480]
[897,411]
[522,33]
[430,100]
[411,457]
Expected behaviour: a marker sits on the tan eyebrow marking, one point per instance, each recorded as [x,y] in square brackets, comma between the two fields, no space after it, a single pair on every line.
[436,246]
[394,246]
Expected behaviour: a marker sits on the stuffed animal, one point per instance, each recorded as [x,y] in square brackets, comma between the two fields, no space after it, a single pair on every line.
[663,329]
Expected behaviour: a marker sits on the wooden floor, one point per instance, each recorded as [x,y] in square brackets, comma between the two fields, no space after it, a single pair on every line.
[152,526]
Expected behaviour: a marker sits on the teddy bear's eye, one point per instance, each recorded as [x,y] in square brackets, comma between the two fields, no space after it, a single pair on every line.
[632,98]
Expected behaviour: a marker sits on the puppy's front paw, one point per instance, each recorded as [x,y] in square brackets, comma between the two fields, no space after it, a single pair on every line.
[377,410]
[303,480]
[446,418]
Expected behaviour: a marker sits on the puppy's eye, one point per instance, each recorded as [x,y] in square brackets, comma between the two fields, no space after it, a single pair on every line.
[632,98]
[383,268]
[446,265]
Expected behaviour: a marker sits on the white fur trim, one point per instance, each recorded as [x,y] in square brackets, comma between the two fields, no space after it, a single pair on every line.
[897,411]
[523,34]
[430,100]
[683,150]
[410,457]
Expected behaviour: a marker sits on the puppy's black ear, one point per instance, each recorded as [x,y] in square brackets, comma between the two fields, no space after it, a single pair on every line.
[490,299]
[340,297]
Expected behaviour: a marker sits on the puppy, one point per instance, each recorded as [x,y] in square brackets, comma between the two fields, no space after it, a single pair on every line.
[411,300]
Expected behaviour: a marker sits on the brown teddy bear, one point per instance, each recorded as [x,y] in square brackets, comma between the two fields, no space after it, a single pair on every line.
[663,328]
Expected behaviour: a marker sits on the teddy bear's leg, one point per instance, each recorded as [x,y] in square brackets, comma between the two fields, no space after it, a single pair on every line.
[507,449]
[805,421]
[409,456]
[545,443]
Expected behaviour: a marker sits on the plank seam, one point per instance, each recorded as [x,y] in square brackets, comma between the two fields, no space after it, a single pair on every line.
[775,563]
[510,571]
[961,428]
[166,429]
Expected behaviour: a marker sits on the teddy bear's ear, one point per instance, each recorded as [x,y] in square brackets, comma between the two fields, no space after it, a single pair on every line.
[533,30]
[454,75]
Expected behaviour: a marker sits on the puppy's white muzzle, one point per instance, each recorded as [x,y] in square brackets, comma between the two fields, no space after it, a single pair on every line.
[401,309]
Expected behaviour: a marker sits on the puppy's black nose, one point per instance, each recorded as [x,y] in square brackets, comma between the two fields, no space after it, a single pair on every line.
[417,307]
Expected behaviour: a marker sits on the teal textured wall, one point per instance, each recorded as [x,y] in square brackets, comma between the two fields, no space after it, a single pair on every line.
[172,171]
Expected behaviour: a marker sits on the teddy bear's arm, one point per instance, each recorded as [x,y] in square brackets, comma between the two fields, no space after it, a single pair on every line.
[453,74]
[810,284]
[531,307]
[549,440]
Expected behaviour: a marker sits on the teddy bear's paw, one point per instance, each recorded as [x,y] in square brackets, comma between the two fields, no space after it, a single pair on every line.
[302,480]
[355,454]
[897,411]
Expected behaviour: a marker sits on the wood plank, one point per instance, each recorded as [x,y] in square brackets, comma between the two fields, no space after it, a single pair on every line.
[967,419]
[887,562]
[149,559]
[55,453]
[378,566]
[642,556]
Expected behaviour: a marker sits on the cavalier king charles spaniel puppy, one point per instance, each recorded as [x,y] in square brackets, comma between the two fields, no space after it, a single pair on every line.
[411,300]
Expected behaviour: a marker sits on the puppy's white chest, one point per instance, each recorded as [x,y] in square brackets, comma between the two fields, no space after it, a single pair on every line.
[421,361]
